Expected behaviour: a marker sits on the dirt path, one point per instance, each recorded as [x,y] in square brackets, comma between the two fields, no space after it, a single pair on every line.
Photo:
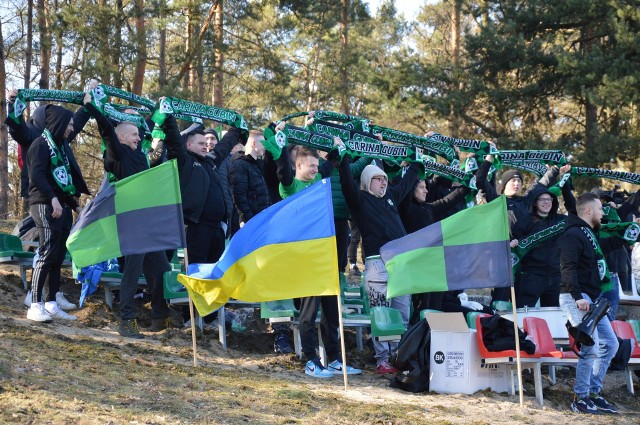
[83,372]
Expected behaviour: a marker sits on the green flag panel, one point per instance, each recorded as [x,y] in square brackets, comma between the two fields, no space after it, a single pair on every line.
[97,242]
[416,271]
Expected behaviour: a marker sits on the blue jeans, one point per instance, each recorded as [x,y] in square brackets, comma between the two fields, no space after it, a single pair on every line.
[593,366]
[375,280]
[613,296]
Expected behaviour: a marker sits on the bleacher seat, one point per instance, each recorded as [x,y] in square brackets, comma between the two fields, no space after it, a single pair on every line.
[502,306]
[386,323]
[13,254]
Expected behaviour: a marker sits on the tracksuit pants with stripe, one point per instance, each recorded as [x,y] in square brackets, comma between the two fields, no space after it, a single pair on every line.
[52,234]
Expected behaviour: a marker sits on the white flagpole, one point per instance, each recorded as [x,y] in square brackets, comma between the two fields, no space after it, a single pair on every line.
[193,320]
[516,329]
[342,347]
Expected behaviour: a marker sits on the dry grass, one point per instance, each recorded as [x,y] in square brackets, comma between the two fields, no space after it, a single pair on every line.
[84,373]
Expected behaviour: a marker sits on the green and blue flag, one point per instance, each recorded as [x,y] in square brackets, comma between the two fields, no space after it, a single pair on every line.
[467,250]
[136,215]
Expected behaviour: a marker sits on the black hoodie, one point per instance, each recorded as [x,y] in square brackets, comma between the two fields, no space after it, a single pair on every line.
[544,259]
[42,186]
[578,259]
[24,133]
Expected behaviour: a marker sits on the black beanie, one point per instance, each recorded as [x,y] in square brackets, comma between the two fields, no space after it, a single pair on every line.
[508,175]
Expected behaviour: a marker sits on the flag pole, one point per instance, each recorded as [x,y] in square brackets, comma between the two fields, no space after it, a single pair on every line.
[193,320]
[342,347]
[516,329]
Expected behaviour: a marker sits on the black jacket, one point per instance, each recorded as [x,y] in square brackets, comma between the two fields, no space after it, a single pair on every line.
[519,205]
[578,260]
[119,159]
[24,133]
[199,182]
[42,186]
[416,215]
[544,259]
[378,218]
[248,187]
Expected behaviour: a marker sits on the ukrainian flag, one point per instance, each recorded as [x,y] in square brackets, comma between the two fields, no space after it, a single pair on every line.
[286,251]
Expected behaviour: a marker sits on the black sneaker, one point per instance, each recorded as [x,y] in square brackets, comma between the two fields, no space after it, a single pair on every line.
[602,404]
[158,325]
[354,271]
[281,345]
[129,329]
[584,405]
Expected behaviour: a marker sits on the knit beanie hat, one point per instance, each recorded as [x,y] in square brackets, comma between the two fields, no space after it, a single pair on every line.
[506,176]
[368,173]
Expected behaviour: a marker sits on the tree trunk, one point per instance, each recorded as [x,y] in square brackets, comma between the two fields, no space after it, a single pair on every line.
[141,45]
[218,34]
[454,119]
[102,27]
[344,41]
[28,52]
[162,60]
[314,75]
[59,48]
[591,109]
[4,136]
[45,44]
[117,44]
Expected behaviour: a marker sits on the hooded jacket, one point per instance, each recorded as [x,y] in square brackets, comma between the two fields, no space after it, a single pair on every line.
[42,186]
[248,186]
[578,259]
[544,259]
[520,205]
[24,133]
[378,218]
[417,215]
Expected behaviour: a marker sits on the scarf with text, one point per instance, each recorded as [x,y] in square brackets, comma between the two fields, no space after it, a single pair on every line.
[60,168]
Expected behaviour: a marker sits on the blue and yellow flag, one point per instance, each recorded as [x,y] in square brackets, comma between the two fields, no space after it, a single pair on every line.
[286,251]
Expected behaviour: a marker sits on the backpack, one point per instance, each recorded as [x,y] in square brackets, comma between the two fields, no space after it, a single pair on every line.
[621,359]
[412,359]
[498,335]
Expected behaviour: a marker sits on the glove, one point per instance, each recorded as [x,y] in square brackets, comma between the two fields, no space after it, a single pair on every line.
[471,304]
[463,296]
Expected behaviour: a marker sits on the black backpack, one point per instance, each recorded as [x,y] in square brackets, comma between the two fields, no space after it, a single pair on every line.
[412,359]
[621,359]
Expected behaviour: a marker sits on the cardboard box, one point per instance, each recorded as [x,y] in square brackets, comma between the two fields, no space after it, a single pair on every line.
[455,363]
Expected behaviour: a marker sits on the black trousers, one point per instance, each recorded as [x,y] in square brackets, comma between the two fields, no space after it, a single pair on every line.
[329,326]
[153,265]
[530,286]
[52,235]
[352,252]
[343,234]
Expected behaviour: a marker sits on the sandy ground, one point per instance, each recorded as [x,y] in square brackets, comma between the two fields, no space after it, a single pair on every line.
[255,386]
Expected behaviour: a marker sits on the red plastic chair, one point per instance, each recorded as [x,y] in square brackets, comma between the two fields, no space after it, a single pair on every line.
[485,353]
[624,330]
[538,330]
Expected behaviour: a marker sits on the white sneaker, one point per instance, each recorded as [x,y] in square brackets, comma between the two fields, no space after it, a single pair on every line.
[27,299]
[64,303]
[55,312]
[37,313]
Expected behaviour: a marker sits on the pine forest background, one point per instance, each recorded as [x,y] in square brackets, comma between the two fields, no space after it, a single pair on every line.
[527,74]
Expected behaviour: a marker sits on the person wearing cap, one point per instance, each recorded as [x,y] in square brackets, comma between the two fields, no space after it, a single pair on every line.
[211,138]
[374,206]
[539,277]
[518,207]
[511,185]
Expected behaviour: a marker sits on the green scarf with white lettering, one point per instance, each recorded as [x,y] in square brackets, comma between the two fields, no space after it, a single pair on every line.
[60,168]
[31,95]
